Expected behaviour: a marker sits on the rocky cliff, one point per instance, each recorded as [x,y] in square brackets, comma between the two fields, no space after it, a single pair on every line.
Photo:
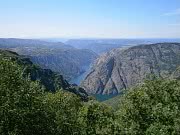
[122,68]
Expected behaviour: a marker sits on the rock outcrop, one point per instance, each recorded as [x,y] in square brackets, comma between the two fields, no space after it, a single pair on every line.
[122,68]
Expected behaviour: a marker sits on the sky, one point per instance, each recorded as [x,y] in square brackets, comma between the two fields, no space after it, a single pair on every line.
[90,18]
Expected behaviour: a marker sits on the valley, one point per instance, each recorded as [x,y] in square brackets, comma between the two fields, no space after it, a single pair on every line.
[61,58]
[77,80]
[72,90]
[90,67]
[103,67]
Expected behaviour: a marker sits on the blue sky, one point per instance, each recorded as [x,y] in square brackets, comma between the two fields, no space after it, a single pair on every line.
[90,18]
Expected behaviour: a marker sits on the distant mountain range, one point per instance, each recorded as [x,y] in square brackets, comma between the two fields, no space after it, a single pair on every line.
[104,45]
[15,42]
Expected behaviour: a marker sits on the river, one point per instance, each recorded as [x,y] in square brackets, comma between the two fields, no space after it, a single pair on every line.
[77,80]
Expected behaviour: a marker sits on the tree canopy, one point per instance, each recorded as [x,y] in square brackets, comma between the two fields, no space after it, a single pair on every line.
[26,109]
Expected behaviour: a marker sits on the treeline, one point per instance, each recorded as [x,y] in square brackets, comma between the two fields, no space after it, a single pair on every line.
[26,109]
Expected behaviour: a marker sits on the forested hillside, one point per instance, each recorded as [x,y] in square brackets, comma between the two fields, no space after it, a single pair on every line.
[26,109]
[50,80]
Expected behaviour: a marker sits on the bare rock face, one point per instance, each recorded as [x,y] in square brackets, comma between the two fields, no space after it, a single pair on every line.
[122,68]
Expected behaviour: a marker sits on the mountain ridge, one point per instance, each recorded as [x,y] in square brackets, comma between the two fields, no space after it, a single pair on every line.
[122,68]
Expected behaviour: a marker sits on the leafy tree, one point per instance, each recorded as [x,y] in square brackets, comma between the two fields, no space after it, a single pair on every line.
[97,118]
[64,108]
[25,109]
[153,108]
[21,110]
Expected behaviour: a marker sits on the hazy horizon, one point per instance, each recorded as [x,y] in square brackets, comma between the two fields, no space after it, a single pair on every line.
[117,19]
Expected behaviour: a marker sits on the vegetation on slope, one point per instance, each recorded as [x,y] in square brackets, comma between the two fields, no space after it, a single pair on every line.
[152,108]
[113,102]
[50,80]
[26,109]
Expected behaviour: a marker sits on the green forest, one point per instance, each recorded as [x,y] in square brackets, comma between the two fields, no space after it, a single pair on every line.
[27,108]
